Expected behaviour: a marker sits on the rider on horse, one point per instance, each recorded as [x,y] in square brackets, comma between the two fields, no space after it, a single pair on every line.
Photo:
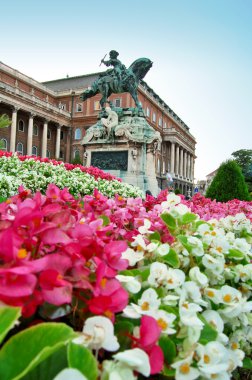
[118,69]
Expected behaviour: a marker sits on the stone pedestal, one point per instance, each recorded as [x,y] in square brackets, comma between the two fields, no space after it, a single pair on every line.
[128,152]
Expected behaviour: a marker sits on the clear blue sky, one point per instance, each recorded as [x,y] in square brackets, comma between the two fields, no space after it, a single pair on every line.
[201,49]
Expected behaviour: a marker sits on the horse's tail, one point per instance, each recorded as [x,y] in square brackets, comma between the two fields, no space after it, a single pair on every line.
[140,67]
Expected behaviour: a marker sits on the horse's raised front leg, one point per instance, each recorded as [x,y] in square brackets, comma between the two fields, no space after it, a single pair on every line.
[133,93]
[104,99]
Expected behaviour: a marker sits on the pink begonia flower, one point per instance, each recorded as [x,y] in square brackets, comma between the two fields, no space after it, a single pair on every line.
[113,253]
[149,334]
[13,285]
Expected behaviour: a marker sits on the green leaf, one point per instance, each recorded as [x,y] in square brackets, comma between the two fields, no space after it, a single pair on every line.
[183,241]
[155,236]
[169,372]
[122,331]
[81,358]
[208,334]
[247,363]
[50,367]
[8,318]
[168,348]
[235,254]
[27,349]
[169,221]
[188,218]
[172,258]
[105,219]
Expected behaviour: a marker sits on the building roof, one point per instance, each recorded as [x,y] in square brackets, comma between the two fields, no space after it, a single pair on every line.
[212,173]
[73,83]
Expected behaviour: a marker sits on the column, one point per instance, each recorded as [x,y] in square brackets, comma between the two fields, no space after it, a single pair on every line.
[177,160]
[188,166]
[172,157]
[13,130]
[181,162]
[57,147]
[192,168]
[185,164]
[30,133]
[68,144]
[44,139]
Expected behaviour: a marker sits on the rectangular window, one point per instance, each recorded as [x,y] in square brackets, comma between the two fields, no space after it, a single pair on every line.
[154,117]
[62,106]
[78,107]
[147,112]
[118,102]
[160,122]
[61,135]
[97,106]
[165,125]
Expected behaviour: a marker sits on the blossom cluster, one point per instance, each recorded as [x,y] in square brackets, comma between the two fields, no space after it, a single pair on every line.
[36,175]
[154,286]
[95,172]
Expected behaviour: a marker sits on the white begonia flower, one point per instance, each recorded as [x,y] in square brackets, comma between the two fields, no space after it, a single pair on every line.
[236,357]
[170,300]
[139,243]
[213,295]
[198,277]
[188,314]
[148,302]
[70,373]
[98,332]
[215,320]
[184,370]
[158,274]
[152,247]
[174,278]
[132,256]
[242,245]
[197,246]
[163,249]
[213,358]
[214,264]
[136,359]
[145,228]
[112,370]
[179,210]
[191,292]
[243,272]
[130,283]
[171,200]
[219,246]
[165,321]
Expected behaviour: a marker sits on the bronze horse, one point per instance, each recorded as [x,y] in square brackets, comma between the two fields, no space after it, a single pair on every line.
[108,83]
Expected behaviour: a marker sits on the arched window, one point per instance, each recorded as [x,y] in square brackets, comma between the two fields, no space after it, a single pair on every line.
[77,135]
[76,153]
[20,148]
[34,151]
[3,144]
[49,134]
[48,154]
[21,125]
[35,130]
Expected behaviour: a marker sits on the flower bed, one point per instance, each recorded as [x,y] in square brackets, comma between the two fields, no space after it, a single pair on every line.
[37,174]
[119,288]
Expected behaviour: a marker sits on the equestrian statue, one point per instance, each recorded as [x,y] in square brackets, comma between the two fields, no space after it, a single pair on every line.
[119,79]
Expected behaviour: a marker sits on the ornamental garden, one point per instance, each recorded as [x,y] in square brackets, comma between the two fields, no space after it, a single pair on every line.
[99,282]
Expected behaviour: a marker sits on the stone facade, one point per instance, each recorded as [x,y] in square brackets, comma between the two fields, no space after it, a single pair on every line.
[49,119]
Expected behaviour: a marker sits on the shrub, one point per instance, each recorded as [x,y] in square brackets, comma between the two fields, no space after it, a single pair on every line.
[229,183]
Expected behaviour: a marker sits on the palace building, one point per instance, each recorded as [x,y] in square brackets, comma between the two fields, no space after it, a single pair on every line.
[49,120]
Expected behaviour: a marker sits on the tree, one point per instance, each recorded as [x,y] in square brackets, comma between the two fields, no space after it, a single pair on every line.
[4,121]
[228,183]
[243,157]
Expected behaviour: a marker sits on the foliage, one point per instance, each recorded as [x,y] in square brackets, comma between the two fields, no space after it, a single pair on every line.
[36,175]
[146,287]
[243,158]
[77,161]
[228,183]
[4,121]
